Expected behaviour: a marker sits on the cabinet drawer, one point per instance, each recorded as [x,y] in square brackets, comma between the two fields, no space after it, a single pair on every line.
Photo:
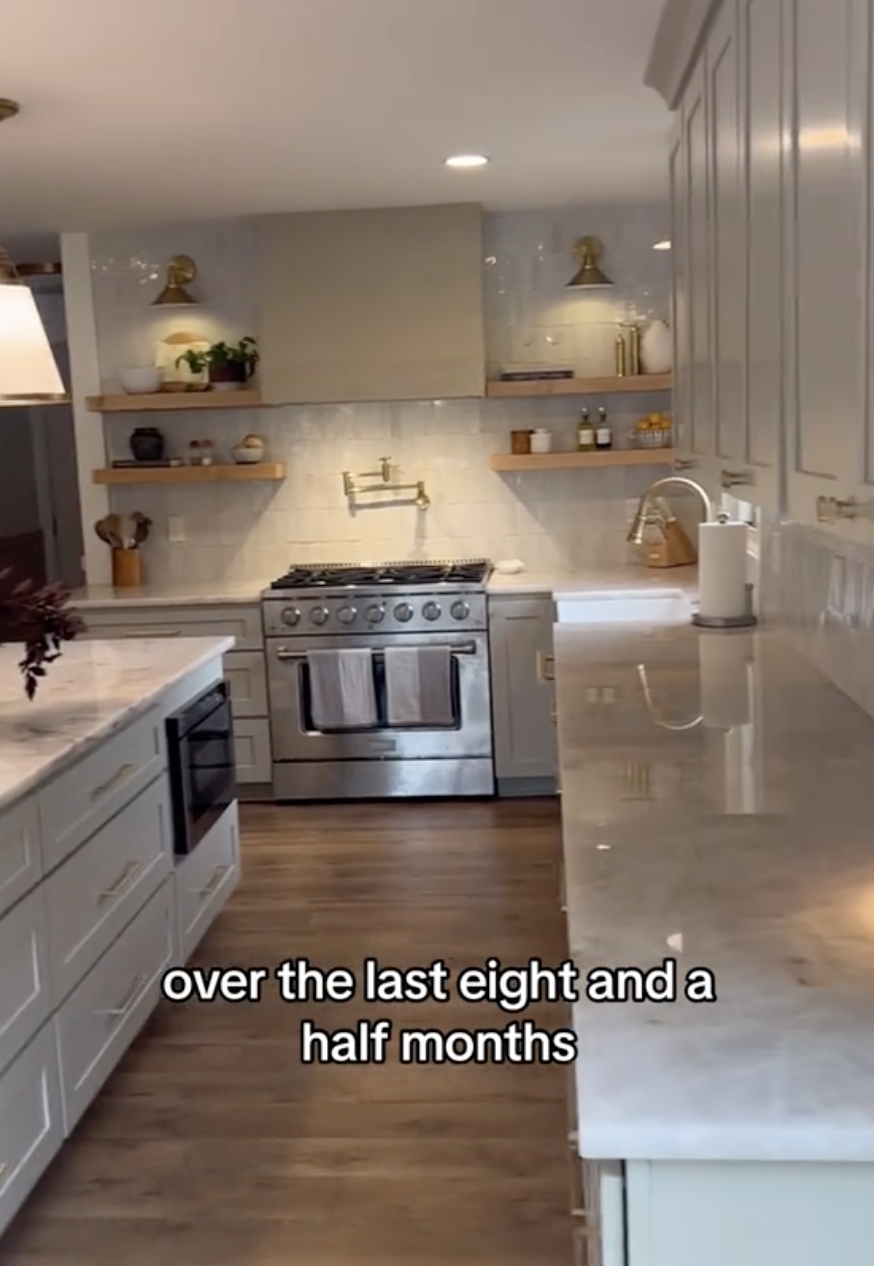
[205,880]
[31,1129]
[96,893]
[246,674]
[78,803]
[25,999]
[253,751]
[20,858]
[100,1019]
[240,622]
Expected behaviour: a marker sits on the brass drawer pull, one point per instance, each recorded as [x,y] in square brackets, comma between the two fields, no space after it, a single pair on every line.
[217,876]
[545,667]
[128,1002]
[148,634]
[125,879]
[121,775]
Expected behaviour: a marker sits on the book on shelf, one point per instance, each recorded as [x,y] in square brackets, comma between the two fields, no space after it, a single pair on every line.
[536,375]
[130,463]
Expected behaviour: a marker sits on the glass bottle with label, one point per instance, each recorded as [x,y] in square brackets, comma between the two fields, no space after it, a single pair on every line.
[603,432]
[586,432]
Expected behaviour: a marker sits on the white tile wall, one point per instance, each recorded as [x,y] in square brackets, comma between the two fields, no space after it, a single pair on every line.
[821,589]
[560,519]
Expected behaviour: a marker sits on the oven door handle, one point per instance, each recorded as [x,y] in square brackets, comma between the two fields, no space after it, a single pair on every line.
[456,648]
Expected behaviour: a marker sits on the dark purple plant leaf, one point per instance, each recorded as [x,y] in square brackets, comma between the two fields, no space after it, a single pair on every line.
[43,622]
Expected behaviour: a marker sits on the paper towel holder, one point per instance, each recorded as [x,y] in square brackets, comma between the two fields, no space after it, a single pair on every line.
[744,621]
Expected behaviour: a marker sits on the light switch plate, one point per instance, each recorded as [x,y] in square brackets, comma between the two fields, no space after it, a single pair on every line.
[175,528]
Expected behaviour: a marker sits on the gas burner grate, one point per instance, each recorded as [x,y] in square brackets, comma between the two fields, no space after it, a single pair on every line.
[338,575]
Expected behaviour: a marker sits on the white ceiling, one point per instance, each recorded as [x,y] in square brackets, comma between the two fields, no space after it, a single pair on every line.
[149,110]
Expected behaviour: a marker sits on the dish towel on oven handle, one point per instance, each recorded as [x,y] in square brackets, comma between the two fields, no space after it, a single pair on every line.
[418,686]
[342,690]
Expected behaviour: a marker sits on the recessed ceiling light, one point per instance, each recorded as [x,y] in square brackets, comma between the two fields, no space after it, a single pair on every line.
[464,161]
[663,245]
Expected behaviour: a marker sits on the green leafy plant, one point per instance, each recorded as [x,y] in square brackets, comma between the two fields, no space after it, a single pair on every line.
[222,356]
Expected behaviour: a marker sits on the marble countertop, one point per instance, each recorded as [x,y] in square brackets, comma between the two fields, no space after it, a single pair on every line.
[717,803]
[558,582]
[214,592]
[94,689]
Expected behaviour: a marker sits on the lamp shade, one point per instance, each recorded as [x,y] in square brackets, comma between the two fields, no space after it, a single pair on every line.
[588,252]
[27,364]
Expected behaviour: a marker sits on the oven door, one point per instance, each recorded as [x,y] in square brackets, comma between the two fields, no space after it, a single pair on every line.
[203,771]
[296,739]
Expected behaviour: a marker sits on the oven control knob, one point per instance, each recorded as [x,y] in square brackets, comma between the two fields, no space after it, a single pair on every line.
[459,611]
[403,612]
[431,611]
[290,616]
[319,615]
[346,615]
[374,615]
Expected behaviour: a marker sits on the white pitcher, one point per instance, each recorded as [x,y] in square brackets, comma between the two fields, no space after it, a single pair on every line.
[656,349]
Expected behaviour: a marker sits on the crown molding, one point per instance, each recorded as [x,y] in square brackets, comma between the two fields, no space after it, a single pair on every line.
[678,38]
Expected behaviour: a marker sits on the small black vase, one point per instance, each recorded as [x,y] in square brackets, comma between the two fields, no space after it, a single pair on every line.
[147,444]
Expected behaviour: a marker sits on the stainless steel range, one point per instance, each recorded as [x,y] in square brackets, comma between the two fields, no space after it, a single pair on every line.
[379,681]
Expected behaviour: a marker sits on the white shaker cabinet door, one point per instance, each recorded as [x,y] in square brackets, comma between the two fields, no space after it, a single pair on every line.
[762,121]
[824,217]
[679,184]
[700,432]
[728,243]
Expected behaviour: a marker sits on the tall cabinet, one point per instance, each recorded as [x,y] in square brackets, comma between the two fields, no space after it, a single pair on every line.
[727,173]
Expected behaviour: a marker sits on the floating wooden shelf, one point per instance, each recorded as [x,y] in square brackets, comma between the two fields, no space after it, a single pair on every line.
[190,474]
[497,390]
[572,461]
[169,401]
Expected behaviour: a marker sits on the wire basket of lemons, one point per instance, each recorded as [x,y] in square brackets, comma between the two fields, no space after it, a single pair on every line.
[653,431]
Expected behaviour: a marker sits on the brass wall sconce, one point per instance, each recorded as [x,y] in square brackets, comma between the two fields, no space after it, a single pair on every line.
[587,253]
[352,489]
[181,271]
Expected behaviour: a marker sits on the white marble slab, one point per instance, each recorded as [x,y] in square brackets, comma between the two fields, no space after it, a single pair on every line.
[718,808]
[560,582]
[211,593]
[93,690]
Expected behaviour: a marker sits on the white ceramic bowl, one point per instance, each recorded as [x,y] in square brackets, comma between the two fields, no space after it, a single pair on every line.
[243,455]
[140,382]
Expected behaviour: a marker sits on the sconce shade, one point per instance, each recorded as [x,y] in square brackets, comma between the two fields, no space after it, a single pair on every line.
[28,371]
[181,271]
[587,252]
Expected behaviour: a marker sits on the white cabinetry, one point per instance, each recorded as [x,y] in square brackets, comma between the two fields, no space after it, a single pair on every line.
[31,1121]
[205,881]
[245,668]
[101,1017]
[827,58]
[726,177]
[523,694]
[94,912]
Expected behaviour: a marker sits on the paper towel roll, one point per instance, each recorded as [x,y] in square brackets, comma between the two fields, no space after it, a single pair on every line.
[724,661]
[722,570]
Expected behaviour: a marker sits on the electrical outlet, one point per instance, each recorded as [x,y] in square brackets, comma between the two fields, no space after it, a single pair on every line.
[175,528]
[631,504]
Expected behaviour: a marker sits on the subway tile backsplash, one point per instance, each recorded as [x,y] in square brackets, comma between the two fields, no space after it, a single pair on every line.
[550,519]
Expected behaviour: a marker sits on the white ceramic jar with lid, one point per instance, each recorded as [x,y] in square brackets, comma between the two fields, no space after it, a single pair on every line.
[541,441]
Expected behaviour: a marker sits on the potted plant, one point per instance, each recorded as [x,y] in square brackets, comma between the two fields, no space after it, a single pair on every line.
[40,619]
[229,366]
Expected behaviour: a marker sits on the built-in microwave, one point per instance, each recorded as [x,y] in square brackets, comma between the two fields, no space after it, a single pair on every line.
[200,753]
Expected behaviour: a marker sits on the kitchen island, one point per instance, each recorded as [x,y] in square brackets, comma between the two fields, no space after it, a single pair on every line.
[93,907]
[717,801]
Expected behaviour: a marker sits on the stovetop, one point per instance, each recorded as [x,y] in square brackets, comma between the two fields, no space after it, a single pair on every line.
[461,572]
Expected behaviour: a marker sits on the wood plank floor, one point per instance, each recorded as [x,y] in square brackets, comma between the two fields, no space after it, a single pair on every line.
[212,1145]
